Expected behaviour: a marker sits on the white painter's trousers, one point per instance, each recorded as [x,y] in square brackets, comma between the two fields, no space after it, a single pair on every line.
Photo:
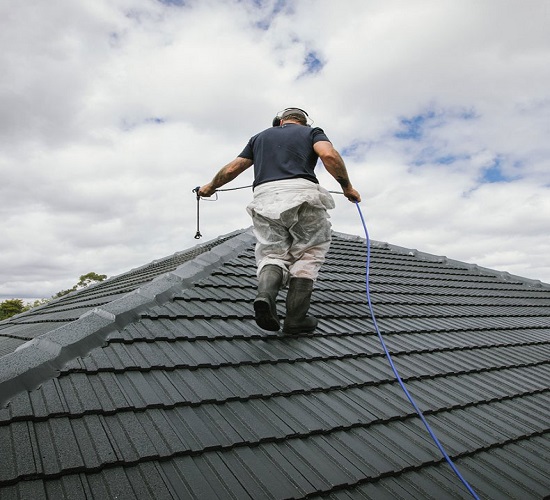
[291,226]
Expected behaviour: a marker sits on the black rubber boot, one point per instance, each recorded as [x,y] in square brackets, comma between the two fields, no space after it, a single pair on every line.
[265,309]
[297,305]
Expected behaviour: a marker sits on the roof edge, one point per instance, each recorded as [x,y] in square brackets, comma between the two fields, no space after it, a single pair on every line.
[504,275]
[413,252]
[41,359]
[349,237]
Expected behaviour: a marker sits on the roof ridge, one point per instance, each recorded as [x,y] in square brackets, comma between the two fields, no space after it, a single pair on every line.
[442,259]
[181,256]
[504,275]
[40,359]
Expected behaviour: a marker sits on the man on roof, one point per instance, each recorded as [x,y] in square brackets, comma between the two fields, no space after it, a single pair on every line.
[289,213]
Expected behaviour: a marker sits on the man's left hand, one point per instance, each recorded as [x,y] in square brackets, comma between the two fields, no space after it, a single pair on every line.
[207,190]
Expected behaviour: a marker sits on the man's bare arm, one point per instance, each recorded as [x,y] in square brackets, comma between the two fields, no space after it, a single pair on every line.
[336,167]
[225,175]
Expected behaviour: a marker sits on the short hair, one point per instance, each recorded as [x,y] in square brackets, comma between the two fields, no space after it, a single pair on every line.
[294,114]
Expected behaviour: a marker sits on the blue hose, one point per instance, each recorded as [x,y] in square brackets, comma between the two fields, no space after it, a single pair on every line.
[396,373]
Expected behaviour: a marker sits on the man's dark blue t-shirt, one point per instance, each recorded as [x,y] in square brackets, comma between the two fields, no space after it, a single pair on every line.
[284,153]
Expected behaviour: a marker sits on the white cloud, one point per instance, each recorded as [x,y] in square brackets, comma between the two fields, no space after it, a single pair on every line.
[113,111]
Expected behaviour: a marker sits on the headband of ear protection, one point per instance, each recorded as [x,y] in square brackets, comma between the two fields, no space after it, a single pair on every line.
[288,111]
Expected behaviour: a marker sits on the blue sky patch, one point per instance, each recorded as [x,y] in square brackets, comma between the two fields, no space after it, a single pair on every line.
[178,3]
[494,173]
[413,128]
[420,138]
[278,7]
[313,63]
[446,160]
[356,150]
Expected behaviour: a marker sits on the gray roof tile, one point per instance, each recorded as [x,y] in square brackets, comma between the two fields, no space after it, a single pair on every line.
[182,396]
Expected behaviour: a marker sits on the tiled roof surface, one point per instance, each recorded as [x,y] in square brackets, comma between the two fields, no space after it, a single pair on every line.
[173,391]
[24,327]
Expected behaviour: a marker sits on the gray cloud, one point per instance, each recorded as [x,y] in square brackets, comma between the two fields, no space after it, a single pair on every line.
[113,111]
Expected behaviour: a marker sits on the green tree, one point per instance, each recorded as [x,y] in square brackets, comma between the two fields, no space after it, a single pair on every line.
[11,307]
[84,281]
[88,279]
[36,303]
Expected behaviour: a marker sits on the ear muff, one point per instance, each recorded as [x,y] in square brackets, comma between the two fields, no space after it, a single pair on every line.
[276,121]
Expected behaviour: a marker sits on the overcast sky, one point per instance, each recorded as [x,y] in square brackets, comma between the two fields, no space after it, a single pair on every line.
[112,111]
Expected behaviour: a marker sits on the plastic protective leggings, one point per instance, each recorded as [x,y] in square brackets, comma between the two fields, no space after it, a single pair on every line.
[298,241]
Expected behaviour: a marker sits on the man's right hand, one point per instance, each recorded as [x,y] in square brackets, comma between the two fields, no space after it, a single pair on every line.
[352,195]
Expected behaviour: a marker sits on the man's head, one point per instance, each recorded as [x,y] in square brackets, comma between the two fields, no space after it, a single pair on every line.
[295,115]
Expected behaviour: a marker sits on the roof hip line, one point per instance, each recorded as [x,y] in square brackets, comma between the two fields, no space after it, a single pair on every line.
[42,358]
